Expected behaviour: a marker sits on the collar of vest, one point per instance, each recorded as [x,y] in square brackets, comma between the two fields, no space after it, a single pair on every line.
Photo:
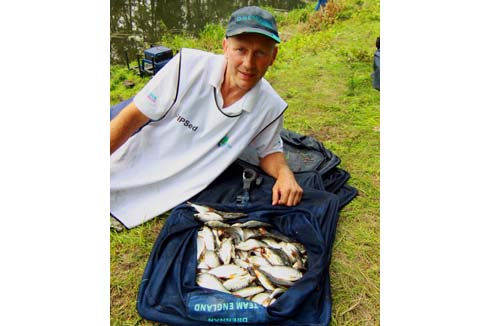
[216,79]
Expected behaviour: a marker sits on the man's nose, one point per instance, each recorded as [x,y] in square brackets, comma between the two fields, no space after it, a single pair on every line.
[249,61]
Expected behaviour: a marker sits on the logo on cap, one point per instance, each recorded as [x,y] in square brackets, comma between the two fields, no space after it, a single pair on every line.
[259,19]
[252,20]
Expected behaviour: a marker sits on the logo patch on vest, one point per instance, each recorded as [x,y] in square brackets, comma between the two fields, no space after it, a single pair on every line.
[224,142]
[152,97]
[186,123]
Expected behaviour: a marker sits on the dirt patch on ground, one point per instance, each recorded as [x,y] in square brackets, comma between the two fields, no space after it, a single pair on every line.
[322,134]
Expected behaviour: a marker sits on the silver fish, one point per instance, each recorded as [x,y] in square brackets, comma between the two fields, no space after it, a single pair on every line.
[250,244]
[251,224]
[200,244]
[242,263]
[255,258]
[300,247]
[208,237]
[227,271]
[275,256]
[217,224]
[226,250]
[239,282]
[235,233]
[207,217]
[291,251]
[299,265]
[249,233]
[202,265]
[258,261]
[277,292]
[271,233]
[247,292]
[241,254]
[224,215]
[264,281]
[281,275]
[285,272]
[216,237]
[271,243]
[262,298]
[209,281]
[257,251]
[211,259]
[231,215]
[201,208]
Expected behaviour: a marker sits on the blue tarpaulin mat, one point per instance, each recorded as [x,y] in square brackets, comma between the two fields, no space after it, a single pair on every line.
[169,294]
[307,154]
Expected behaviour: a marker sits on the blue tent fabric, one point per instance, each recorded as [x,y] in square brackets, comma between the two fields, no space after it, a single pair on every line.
[375,76]
[116,108]
[228,185]
[320,3]
[307,154]
[168,292]
[303,153]
[335,179]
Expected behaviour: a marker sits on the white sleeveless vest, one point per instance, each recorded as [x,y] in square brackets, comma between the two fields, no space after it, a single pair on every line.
[190,140]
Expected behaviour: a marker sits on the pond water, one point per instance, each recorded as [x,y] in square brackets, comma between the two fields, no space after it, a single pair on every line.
[137,24]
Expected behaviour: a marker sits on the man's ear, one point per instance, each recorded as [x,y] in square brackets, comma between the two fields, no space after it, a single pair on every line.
[225,46]
[274,55]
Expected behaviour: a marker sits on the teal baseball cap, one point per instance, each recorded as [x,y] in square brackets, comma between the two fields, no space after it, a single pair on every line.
[252,20]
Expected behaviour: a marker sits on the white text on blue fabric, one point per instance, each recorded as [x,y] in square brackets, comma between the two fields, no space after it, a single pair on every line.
[239,305]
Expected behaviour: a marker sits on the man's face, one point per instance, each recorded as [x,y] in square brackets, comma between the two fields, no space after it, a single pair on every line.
[249,55]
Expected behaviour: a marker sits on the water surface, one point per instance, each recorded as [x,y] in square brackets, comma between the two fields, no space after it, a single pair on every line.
[137,24]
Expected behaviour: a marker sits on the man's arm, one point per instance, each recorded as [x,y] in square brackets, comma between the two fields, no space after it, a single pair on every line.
[126,123]
[286,191]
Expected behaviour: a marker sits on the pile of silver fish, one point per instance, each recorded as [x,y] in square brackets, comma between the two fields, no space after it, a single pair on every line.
[251,260]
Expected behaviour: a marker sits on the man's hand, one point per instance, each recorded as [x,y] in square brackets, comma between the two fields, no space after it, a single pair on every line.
[286,191]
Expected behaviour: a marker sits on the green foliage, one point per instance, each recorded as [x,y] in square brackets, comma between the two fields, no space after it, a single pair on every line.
[211,37]
[344,14]
[125,83]
[176,42]
[357,54]
[321,19]
[293,17]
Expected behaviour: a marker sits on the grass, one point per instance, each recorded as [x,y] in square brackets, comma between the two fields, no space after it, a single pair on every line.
[323,72]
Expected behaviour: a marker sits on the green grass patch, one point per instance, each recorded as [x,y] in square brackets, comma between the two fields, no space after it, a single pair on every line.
[323,72]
